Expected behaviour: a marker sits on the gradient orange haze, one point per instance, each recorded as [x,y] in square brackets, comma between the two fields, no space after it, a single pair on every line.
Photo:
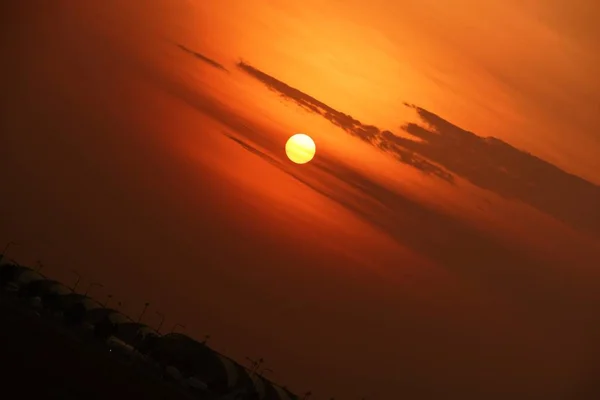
[164,176]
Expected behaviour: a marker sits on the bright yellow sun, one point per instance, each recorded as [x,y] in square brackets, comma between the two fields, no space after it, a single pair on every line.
[300,148]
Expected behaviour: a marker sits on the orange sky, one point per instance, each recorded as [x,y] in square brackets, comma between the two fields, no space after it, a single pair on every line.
[151,170]
[502,68]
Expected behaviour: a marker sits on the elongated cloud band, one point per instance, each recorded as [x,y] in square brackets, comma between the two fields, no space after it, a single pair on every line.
[446,150]
[203,58]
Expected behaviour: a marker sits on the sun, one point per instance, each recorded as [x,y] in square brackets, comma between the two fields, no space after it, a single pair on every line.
[300,148]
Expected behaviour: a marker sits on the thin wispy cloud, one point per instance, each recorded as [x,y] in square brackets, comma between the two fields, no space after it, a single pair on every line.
[203,58]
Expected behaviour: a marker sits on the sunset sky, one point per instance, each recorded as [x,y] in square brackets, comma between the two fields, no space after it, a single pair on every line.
[443,243]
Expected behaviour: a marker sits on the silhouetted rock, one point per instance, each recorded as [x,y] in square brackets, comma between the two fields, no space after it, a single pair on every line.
[104,329]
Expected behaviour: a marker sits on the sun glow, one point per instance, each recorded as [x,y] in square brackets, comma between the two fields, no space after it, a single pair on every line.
[300,148]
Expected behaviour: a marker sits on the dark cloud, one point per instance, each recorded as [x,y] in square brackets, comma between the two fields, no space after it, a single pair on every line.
[446,150]
[495,165]
[202,57]
[449,241]
[453,243]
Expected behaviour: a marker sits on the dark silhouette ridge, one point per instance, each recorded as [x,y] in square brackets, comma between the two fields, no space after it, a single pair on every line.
[444,149]
[218,376]
[202,57]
